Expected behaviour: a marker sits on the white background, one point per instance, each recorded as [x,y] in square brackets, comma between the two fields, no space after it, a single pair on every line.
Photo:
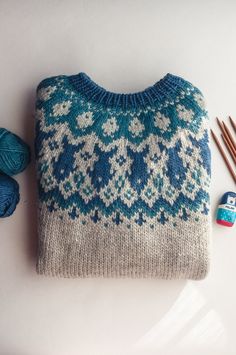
[124,46]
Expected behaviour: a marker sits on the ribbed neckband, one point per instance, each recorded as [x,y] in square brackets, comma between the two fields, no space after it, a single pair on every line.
[164,88]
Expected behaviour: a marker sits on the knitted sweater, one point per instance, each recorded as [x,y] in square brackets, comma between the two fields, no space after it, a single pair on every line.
[123,179]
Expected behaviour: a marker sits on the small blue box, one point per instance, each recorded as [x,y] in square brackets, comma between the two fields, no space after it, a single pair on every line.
[226,213]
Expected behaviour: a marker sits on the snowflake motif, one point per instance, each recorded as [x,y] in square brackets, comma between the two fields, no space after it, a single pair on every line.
[87,191]
[68,186]
[190,188]
[85,120]
[44,94]
[62,108]
[108,194]
[169,193]
[185,114]
[200,100]
[149,193]
[136,127]
[110,126]
[161,121]
[129,196]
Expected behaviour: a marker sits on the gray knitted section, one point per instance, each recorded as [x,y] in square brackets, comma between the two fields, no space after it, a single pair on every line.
[69,249]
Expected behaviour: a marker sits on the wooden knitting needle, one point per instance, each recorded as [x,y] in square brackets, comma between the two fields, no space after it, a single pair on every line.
[229,148]
[227,138]
[224,156]
[230,136]
[233,123]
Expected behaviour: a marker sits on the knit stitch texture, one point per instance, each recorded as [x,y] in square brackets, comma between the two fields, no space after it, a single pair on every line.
[123,179]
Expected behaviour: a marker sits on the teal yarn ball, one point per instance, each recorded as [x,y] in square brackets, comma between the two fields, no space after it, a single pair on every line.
[14,153]
[9,195]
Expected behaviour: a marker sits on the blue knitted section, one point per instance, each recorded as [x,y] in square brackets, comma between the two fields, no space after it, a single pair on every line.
[161,89]
[125,158]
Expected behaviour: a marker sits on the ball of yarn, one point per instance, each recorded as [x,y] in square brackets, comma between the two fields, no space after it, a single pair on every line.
[9,195]
[14,153]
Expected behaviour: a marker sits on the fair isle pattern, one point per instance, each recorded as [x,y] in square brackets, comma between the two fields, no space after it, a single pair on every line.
[122,162]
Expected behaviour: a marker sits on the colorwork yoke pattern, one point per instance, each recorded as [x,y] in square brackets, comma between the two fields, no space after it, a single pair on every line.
[123,179]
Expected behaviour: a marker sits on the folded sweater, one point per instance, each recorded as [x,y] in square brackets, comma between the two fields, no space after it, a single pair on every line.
[123,179]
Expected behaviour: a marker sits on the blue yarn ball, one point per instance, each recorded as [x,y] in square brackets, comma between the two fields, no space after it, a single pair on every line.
[9,195]
[14,153]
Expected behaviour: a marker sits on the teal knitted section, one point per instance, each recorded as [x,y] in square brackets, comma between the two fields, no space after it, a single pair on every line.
[122,159]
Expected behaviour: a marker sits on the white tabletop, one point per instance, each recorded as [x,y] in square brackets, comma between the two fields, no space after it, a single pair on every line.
[125,46]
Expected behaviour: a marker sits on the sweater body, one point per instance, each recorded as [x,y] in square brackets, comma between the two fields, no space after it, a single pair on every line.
[123,179]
